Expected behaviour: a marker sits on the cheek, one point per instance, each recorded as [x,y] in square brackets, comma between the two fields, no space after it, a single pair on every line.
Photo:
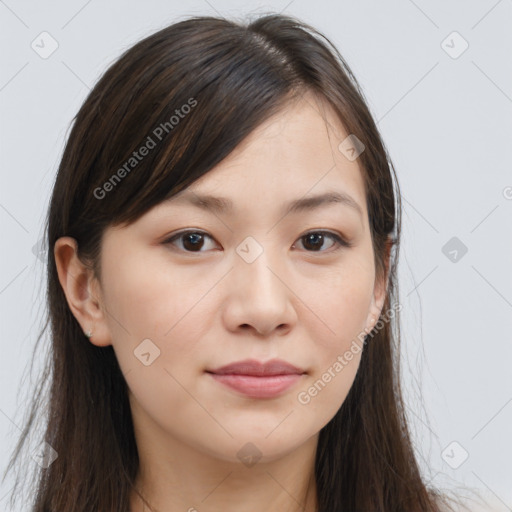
[338,352]
[146,301]
[157,320]
[341,301]
[324,393]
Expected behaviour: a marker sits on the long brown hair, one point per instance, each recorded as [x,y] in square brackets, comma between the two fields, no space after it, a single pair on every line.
[197,88]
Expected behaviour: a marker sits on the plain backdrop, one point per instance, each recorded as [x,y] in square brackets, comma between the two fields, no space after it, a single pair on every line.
[438,79]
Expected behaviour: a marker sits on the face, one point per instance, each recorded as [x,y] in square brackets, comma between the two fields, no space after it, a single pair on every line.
[188,289]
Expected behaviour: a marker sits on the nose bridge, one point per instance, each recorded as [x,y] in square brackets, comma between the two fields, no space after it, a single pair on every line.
[259,265]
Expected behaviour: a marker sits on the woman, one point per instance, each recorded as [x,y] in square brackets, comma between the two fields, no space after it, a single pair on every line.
[222,287]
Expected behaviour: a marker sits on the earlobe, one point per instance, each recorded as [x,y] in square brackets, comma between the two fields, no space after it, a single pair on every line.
[77,281]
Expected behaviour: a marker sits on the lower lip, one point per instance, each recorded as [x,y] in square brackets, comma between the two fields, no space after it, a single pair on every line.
[258,387]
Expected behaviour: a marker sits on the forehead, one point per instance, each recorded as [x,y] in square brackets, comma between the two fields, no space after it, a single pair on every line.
[294,154]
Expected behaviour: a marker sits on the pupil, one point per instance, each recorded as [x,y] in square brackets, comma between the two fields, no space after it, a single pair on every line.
[315,236]
[194,238]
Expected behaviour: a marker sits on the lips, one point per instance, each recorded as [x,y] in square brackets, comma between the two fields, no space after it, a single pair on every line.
[256,368]
[255,379]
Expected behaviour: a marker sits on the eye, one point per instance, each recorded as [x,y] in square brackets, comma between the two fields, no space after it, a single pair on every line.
[316,239]
[193,241]
[313,241]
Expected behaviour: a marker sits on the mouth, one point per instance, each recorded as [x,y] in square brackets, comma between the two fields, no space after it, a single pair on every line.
[256,379]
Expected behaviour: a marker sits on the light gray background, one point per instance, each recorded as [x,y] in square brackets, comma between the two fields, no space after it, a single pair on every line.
[448,125]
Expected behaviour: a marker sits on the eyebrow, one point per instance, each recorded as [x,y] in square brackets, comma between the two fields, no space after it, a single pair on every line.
[223,204]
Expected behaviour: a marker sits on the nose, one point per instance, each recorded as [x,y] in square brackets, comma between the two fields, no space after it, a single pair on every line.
[258,297]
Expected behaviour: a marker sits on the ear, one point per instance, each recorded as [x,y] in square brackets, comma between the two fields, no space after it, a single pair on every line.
[82,290]
[379,292]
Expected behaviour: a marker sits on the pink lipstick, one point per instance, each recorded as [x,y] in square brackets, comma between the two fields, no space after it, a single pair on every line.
[256,379]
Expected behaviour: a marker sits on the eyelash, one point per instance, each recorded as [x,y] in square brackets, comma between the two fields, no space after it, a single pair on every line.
[340,241]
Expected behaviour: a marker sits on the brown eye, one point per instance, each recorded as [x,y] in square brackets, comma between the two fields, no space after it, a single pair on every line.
[191,241]
[315,240]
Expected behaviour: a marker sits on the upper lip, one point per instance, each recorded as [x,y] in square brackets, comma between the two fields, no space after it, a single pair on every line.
[258,368]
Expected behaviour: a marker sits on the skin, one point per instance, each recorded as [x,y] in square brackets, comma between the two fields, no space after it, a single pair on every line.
[210,307]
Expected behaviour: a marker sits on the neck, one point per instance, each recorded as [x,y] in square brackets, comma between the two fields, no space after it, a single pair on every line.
[196,482]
